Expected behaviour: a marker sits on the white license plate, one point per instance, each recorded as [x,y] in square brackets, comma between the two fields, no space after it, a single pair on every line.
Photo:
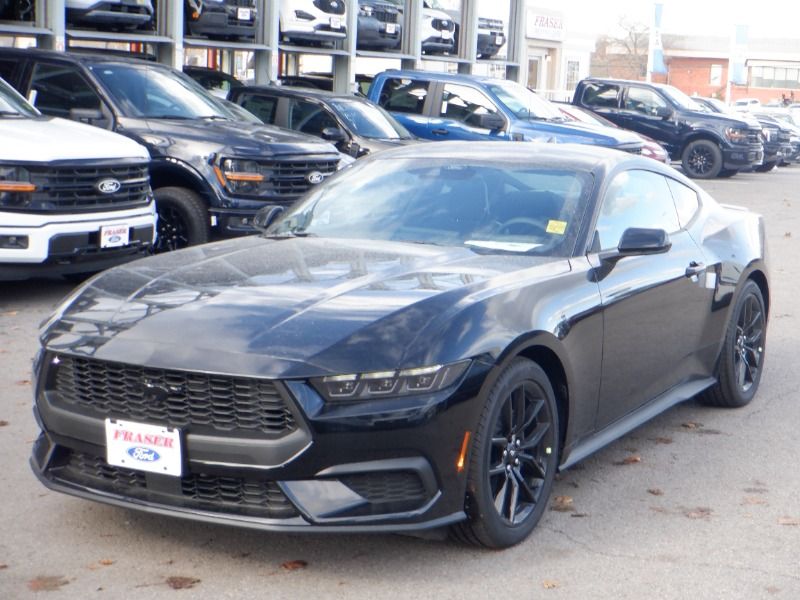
[447,35]
[114,236]
[499,40]
[336,23]
[243,14]
[144,447]
[391,28]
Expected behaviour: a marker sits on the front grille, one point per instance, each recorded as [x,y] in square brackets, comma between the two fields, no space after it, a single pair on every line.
[182,399]
[494,24]
[784,136]
[754,137]
[126,9]
[218,494]
[443,25]
[287,178]
[332,7]
[385,16]
[69,189]
[388,486]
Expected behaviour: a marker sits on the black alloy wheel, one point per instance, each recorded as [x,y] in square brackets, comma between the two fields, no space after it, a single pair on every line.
[182,219]
[742,358]
[514,458]
[702,159]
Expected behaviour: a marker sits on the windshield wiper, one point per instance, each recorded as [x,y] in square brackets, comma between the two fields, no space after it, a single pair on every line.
[177,117]
[10,113]
[215,118]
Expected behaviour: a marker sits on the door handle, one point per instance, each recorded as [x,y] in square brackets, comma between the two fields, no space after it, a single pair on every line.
[695,268]
[439,131]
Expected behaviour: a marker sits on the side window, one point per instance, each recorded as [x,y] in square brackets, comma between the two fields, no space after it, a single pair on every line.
[7,70]
[60,88]
[404,95]
[600,95]
[643,101]
[261,106]
[308,117]
[463,103]
[686,201]
[635,199]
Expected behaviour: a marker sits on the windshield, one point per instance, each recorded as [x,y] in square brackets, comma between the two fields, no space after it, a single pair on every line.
[14,105]
[368,120]
[155,92]
[678,97]
[484,205]
[524,103]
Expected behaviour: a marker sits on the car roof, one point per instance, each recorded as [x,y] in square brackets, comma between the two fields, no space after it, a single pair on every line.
[289,90]
[84,55]
[452,77]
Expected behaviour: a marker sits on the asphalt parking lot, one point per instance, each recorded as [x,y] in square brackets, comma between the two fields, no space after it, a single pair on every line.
[698,503]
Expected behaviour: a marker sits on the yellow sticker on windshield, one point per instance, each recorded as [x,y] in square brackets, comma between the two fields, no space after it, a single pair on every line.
[558,227]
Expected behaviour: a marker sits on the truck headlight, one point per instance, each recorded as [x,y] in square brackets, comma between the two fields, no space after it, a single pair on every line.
[390,384]
[736,135]
[240,176]
[15,187]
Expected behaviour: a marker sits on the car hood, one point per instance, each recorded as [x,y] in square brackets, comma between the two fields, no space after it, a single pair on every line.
[577,132]
[297,307]
[239,137]
[724,119]
[48,139]
[375,145]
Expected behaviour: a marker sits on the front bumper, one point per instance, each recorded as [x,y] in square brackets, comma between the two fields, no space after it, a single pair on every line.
[128,13]
[437,44]
[225,21]
[490,42]
[377,466]
[373,33]
[742,157]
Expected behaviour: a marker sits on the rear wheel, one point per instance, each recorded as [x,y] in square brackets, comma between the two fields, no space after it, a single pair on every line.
[702,159]
[742,358]
[514,458]
[182,219]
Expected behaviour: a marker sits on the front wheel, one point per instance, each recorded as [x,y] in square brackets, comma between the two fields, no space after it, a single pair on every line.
[702,159]
[514,458]
[742,357]
[728,173]
[182,219]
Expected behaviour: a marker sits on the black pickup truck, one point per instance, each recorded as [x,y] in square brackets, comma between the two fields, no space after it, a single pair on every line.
[210,171]
[708,145]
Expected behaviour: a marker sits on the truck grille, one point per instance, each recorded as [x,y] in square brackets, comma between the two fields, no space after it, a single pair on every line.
[204,402]
[236,495]
[76,188]
[385,16]
[288,179]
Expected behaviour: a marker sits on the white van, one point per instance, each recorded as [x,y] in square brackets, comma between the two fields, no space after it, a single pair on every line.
[73,198]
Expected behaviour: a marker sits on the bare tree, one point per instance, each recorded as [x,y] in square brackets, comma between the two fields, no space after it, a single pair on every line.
[623,55]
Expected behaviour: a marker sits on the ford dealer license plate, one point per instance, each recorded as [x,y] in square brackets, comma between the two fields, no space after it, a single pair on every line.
[113,236]
[144,447]
[243,14]
[336,23]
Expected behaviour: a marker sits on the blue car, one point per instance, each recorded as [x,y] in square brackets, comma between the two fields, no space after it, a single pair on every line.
[440,106]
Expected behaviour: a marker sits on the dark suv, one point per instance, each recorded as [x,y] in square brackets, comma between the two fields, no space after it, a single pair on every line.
[209,171]
[221,18]
[708,145]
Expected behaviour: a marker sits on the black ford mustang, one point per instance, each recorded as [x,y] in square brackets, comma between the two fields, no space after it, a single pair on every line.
[422,342]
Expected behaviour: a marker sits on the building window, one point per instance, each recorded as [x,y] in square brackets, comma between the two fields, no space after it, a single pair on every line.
[776,77]
[716,75]
[573,74]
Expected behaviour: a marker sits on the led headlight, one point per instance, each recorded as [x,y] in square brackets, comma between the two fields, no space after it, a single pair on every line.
[15,187]
[382,384]
[735,135]
[241,176]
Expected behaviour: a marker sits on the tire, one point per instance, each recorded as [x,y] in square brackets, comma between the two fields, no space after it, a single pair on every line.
[508,488]
[182,219]
[766,167]
[742,358]
[702,159]
[727,173]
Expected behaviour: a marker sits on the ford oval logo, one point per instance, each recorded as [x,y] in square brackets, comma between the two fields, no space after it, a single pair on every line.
[315,177]
[143,454]
[108,186]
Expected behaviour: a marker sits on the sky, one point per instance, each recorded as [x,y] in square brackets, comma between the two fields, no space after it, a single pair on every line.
[765,18]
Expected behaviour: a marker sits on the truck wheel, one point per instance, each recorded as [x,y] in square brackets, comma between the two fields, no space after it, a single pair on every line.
[728,172]
[182,219]
[702,159]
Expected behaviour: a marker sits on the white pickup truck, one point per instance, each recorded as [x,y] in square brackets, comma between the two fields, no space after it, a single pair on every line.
[73,198]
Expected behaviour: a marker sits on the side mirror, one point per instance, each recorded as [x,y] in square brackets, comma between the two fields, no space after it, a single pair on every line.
[664,112]
[266,216]
[333,134]
[638,240]
[489,121]
[86,115]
